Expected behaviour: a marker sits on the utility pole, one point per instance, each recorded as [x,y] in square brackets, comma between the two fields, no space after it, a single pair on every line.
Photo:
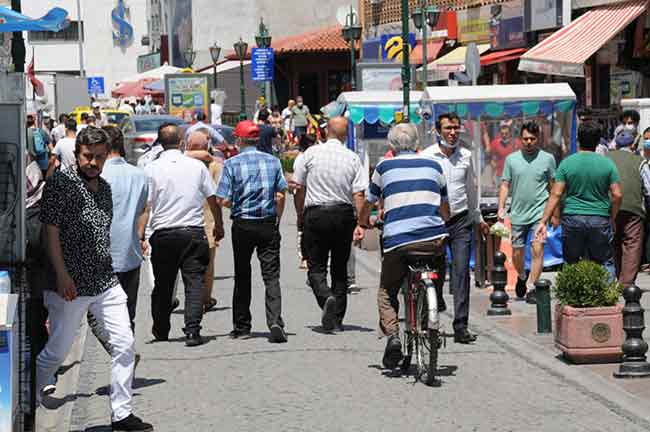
[406,71]
[80,29]
[18,43]
[170,40]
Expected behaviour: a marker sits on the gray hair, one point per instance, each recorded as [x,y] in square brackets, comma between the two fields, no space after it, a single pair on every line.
[404,137]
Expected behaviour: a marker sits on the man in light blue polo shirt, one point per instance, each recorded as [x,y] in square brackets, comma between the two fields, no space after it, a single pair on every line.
[129,189]
[416,207]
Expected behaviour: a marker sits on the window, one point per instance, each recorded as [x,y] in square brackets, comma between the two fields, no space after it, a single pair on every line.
[69,34]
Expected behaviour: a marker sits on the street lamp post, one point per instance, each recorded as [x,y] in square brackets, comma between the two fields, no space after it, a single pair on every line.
[424,17]
[215,53]
[406,71]
[263,40]
[241,48]
[352,33]
[189,55]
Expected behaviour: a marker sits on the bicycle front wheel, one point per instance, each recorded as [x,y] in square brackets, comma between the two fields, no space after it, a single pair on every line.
[426,343]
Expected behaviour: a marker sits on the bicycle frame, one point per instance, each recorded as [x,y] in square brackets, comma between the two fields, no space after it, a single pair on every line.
[422,278]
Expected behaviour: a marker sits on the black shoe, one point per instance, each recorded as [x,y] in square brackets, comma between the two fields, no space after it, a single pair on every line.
[131,423]
[240,334]
[520,288]
[328,320]
[159,337]
[175,304]
[338,328]
[278,335]
[393,352]
[531,297]
[136,361]
[464,337]
[194,339]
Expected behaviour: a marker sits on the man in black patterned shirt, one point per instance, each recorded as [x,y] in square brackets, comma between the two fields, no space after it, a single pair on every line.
[76,210]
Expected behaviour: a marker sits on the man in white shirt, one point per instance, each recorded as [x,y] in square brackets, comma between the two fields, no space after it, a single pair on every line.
[456,163]
[287,116]
[64,149]
[215,113]
[178,188]
[59,131]
[335,180]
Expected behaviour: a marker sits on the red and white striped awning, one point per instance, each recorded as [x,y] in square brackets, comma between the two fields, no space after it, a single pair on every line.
[566,50]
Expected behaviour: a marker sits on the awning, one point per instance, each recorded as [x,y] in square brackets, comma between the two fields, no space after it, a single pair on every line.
[501,56]
[566,50]
[433,48]
[55,20]
[455,60]
[374,106]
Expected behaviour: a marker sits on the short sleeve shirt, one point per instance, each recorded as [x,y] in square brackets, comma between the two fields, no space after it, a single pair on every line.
[529,178]
[587,176]
[300,115]
[84,221]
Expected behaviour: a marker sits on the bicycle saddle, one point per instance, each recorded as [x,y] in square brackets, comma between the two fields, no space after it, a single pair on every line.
[416,258]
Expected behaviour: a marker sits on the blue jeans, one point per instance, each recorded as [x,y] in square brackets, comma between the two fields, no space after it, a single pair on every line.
[588,237]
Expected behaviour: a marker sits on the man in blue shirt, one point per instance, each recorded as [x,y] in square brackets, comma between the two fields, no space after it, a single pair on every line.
[414,191]
[129,189]
[253,186]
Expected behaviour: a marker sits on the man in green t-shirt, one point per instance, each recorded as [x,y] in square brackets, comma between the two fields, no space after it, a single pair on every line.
[588,179]
[300,115]
[528,174]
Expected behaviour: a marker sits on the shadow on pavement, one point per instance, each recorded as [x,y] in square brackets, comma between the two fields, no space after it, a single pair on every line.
[214,309]
[53,403]
[224,277]
[138,383]
[442,371]
[63,369]
[104,428]
[346,328]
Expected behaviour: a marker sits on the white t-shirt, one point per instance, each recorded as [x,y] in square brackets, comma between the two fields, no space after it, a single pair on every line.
[64,150]
[288,120]
[58,133]
[215,114]
[178,188]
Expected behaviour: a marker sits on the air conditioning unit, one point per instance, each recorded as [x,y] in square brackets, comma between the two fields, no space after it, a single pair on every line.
[376,2]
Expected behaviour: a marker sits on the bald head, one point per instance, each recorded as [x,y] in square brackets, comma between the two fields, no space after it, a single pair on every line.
[337,128]
[198,140]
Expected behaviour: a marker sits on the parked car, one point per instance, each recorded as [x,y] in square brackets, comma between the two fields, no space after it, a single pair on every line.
[114,116]
[140,132]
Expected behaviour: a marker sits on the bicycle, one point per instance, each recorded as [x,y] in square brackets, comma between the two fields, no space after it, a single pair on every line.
[422,336]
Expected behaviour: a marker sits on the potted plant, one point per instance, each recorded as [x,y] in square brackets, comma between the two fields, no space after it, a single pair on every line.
[588,318]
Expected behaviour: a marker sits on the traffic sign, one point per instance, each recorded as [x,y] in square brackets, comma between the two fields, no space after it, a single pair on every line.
[262,64]
[472,62]
[95,86]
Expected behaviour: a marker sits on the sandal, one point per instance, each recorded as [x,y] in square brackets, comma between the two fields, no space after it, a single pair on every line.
[211,304]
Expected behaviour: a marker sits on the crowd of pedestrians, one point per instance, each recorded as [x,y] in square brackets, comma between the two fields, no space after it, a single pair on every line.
[103,218]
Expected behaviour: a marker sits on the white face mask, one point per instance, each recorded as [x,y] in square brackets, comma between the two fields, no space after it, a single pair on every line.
[299,104]
[629,127]
[444,143]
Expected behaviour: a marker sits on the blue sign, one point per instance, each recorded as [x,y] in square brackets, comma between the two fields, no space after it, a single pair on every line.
[391,47]
[95,86]
[262,64]
[123,34]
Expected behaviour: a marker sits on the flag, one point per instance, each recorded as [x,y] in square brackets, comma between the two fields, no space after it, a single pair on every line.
[39,88]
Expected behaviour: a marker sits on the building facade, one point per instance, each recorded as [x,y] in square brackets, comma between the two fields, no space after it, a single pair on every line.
[111,31]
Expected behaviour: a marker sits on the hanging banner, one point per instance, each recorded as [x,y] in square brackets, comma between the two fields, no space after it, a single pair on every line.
[542,14]
[474,24]
[182,33]
[391,47]
[446,26]
[507,26]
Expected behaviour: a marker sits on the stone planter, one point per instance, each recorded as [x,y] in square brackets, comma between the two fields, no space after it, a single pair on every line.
[590,335]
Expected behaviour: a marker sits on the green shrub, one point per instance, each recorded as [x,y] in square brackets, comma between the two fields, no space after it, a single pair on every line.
[586,284]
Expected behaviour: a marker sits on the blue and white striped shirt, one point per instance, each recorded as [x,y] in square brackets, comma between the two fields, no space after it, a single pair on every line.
[412,187]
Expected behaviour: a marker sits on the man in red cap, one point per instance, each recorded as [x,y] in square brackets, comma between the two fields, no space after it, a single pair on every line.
[253,186]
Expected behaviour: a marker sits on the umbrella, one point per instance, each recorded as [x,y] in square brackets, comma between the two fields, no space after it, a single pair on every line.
[11,21]
[153,74]
[158,86]
[134,89]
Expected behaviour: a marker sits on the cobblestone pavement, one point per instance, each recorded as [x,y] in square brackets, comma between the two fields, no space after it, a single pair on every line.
[320,382]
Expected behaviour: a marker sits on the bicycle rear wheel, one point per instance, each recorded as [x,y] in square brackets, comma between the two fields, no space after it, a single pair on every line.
[426,343]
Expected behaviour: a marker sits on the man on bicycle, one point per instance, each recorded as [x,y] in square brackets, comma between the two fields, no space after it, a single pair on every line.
[414,192]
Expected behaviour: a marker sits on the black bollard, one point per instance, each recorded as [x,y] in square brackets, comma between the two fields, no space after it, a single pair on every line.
[499,296]
[543,294]
[634,348]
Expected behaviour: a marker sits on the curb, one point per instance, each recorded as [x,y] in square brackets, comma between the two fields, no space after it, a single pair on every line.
[614,398]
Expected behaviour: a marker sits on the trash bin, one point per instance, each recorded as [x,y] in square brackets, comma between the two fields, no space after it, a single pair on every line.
[8,361]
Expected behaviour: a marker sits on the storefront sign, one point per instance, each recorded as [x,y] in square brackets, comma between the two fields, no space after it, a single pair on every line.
[95,86]
[624,85]
[474,24]
[262,64]
[148,62]
[446,26]
[187,95]
[181,11]
[542,14]
[381,76]
[507,25]
[391,47]
[123,31]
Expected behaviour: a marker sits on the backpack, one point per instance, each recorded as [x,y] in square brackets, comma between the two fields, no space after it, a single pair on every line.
[40,146]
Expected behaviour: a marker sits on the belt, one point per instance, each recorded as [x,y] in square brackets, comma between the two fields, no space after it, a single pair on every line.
[330,206]
[270,219]
[187,228]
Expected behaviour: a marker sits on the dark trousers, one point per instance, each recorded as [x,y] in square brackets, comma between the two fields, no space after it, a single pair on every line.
[628,246]
[587,237]
[130,282]
[263,236]
[460,229]
[187,250]
[328,230]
